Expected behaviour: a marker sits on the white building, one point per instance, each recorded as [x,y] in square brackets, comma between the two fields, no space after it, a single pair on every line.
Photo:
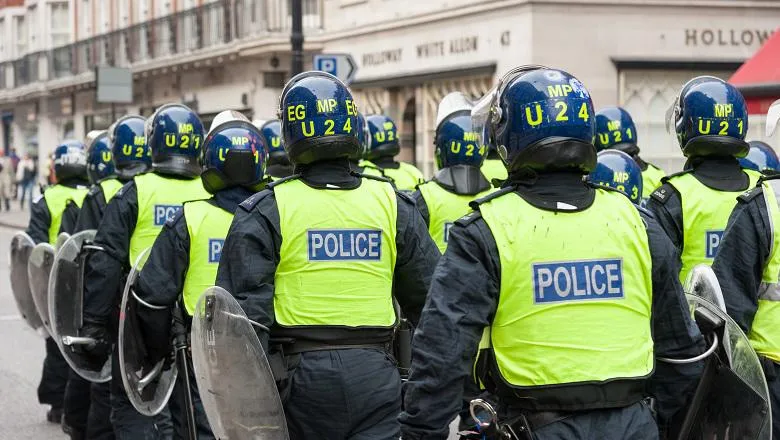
[235,54]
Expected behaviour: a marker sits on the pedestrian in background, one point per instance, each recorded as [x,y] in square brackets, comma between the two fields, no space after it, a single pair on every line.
[25,178]
[6,180]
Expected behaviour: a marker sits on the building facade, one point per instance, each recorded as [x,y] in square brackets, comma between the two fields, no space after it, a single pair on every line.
[235,54]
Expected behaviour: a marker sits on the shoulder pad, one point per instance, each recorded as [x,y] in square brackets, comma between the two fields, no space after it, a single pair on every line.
[474,204]
[124,189]
[469,218]
[274,183]
[677,174]
[379,178]
[750,194]
[174,219]
[406,197]
[662,193]
[95,190]
[254,199]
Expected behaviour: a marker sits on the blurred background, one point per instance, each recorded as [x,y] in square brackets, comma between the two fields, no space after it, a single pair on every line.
[215,55]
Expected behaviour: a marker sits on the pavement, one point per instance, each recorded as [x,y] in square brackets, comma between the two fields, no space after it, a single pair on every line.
[16,218]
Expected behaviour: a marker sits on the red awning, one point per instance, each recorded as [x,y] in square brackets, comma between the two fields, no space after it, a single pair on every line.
[759,77]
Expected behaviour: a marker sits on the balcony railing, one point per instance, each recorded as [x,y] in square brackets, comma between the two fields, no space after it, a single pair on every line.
[209,26]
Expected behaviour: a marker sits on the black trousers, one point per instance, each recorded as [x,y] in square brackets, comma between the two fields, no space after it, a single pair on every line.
[54,379]
[774,398]
[76,404]
[99,418]
[178,415]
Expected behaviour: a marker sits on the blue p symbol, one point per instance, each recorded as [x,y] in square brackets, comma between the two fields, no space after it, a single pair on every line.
[327,65]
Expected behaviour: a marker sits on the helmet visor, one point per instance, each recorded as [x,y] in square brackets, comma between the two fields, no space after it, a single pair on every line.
[452,103]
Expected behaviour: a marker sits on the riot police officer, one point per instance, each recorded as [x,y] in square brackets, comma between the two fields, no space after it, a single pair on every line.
[70,165]
[319,258]
[183,261]
[710,119]
[355,160]
[618,170]
[279,165]
[459,155]
[383,146]
[748,268]
[761,157]
[130,224]
[615,129]
[533,274]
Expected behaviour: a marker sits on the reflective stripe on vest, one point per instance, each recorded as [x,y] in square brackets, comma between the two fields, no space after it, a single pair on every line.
[764,334]
[572,307]
[208,226]
[494,169]
[159,198]
[57,198]
[110,188]
[444,208]
[337,256]
[651,179]
[406,177]
[705,212]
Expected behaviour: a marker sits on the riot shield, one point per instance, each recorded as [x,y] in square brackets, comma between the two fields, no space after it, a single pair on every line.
[66,302]
[731,400]
[61,239]
[236,385]
[21,247]
[38,270]
[147,386]
[703,283]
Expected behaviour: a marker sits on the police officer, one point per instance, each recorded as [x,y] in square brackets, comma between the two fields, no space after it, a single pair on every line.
[70,165]
[355,159]
[184,259]
[536,272]
[320,258]
[616,129]
[459,155]
[761,157]
[130,224]
[710,119]
[383,147]
[748,268]
[279,165]
[618,170]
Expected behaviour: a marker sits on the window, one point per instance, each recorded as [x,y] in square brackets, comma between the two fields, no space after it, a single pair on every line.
[60,29]
[20,36]
[32,25]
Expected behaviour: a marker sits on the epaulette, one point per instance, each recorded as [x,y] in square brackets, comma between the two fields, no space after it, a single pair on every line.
[95,190]
[406,197]
[474,204]
[468,219]
[124,187]
[255,198]
[662,193]
[750,194]
[175,218]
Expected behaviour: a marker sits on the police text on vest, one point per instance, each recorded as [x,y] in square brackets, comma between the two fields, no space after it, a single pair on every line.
[163,213]
[215,249]
[345,244]
[578,280]
[712,242]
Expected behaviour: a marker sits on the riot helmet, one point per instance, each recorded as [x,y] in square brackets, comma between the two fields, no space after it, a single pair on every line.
[128,145]
[538,118]
[100,160]
[272,139]
[454,140]
[615,129]
[234,154]
[761,157]
[318,118]
[710,118]
[174,134]
[70,160]
[382,137]
[618,170]
[362,133]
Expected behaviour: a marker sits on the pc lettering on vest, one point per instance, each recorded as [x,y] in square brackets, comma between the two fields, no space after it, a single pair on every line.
[713,241]
[163,213]
[345,244]
[578,280]
[215,249]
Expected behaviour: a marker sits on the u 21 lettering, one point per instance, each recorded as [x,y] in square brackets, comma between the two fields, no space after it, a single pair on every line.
[578,280]
[344,245]
[215,249]
[712,241]
[163,213]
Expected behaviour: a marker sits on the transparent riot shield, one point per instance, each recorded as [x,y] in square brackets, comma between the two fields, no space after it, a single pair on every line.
[703,282]
[61,239]
[148,386]
[236,385]
[21,248]
[66,305]
[38,270]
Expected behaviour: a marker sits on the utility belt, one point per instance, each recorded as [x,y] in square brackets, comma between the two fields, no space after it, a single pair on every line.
[519,427]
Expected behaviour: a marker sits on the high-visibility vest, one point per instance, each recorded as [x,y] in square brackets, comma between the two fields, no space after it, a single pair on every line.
[651,179]
[110,188]
[444,207]
[406,177]
[57,198]
[764,334]
[494,169]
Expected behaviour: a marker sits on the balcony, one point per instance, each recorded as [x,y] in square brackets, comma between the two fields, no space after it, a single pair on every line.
[174,37]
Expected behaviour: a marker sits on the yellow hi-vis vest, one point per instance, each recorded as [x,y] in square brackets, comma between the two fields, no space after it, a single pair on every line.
[159,199]
[705,212]
[406,177]
[337,256]
[57,198]
[369,169]
[494,169]
[208,226]
[764,334]
[110,188]
[444,208]
[572,307]
[651,179]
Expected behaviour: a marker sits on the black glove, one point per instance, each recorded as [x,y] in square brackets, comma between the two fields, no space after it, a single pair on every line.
[93,356]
